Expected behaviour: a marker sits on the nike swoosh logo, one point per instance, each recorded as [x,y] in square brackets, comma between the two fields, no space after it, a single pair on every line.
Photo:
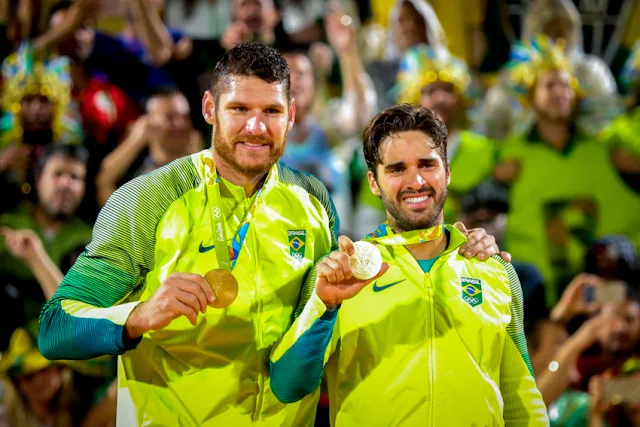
[204,249]
[377,288]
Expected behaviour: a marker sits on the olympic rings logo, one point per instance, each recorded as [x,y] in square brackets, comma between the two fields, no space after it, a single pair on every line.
[216,213]
[471,300]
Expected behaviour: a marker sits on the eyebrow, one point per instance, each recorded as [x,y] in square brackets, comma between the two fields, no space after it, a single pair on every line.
[424,160]
[238,103]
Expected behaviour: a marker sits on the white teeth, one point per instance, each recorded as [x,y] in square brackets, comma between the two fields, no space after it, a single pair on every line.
[252,145]
[416,199]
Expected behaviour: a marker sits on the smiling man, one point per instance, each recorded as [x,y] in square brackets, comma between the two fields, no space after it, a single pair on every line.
[435,332]
[195,351]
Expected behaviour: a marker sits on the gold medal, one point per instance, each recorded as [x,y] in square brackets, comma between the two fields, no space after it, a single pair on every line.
[224,286]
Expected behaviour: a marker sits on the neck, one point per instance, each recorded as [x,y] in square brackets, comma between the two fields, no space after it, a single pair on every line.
[430,249]
[554,133]
[46,222]
[250,182]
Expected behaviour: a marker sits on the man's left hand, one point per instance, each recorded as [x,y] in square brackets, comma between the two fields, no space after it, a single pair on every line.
[480,244]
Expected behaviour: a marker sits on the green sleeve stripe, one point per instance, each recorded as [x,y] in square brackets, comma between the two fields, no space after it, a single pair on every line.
[516,326]
[299,371]
[317,189]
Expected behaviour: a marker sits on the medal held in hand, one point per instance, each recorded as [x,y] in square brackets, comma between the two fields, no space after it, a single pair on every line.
[223,285]
[366,262]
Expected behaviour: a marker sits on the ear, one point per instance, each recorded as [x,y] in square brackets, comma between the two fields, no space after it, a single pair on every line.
[448,175]
[209,108]
[292,114]
[373,184]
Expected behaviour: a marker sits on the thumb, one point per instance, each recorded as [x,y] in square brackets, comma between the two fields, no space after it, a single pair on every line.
[346,245]
[461,227]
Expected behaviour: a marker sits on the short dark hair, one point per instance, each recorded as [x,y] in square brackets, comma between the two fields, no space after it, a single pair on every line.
[403,118]
[163,91]
[251,59]
[68,151]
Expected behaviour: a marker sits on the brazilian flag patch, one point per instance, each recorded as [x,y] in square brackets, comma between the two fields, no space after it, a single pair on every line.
[471,290]
[297,242]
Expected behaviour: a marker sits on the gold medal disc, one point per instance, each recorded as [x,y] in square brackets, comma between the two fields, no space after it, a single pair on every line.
[224,286]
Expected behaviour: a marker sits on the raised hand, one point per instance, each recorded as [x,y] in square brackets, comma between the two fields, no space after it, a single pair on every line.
[573,302]
[22,244]
[334,281]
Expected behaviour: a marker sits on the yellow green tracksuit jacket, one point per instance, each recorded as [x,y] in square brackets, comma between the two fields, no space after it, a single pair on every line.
[216,373]
[443,348]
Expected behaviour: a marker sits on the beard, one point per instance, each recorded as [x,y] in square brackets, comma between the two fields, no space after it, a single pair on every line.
[228,152]
[407,221]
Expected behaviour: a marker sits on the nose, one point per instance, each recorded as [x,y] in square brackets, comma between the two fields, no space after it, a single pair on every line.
[255,125]
[416,181]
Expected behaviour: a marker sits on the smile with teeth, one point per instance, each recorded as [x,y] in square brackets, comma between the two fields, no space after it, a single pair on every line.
[418,199]
[248,144]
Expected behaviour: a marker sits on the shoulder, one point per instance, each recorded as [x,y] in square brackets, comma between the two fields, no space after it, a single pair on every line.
[305,181]
[152,193]
[507,275]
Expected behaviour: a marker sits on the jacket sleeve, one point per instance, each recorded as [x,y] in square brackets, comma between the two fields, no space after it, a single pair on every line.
[523,404]
[85,318]
[297,361]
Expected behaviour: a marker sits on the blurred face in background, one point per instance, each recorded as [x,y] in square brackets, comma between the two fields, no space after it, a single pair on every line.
[41,387]
[442,98]
[61,186]
[549,338]
[303,85]
[252,13]
[560,29]
[553,97]
[410,29]
[80,44]
[623,332]
[36,113]
[171,122]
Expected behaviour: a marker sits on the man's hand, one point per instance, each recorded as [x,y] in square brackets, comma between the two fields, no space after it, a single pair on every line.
[180,294]
[573,302]
[588,333]
[480,244]
[235,34]
[334,282]
[22,244]
[341,33]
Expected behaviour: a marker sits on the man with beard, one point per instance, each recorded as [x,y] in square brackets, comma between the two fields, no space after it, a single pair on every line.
[229,229]
[60,172]
[565,186]
[434,329]
[164,134]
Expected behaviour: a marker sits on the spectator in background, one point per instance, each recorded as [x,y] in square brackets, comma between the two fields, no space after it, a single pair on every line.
[60,186]
[560,21]
[37,392]
[160,136]
[486,206]
[411,23]
[101,54]
[565,190]
[602,405]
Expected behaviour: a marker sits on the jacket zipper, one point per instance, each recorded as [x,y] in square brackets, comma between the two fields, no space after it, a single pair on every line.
[431,313]
[261,373]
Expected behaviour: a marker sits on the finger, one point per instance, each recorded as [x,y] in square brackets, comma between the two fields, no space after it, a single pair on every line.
[488,252]
[195,290]
[336,266]
[180,308]
[201,282]
[462,228]
[190,302]
[484,245]
[505,256]
[475,236]
[345,262]
[6,231]
[325,271]
[346,245]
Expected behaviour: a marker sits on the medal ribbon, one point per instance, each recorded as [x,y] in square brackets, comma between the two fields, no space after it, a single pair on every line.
[227,256]
[384,235]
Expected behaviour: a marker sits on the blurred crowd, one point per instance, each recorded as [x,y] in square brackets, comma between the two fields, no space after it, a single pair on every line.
[541,99]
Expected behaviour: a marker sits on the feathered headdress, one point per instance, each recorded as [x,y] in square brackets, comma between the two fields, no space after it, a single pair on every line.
[531,59]
[50,76]
[422,65]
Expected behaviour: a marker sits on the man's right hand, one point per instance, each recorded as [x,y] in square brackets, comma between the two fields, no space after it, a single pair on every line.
[334,282]
[180,294]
